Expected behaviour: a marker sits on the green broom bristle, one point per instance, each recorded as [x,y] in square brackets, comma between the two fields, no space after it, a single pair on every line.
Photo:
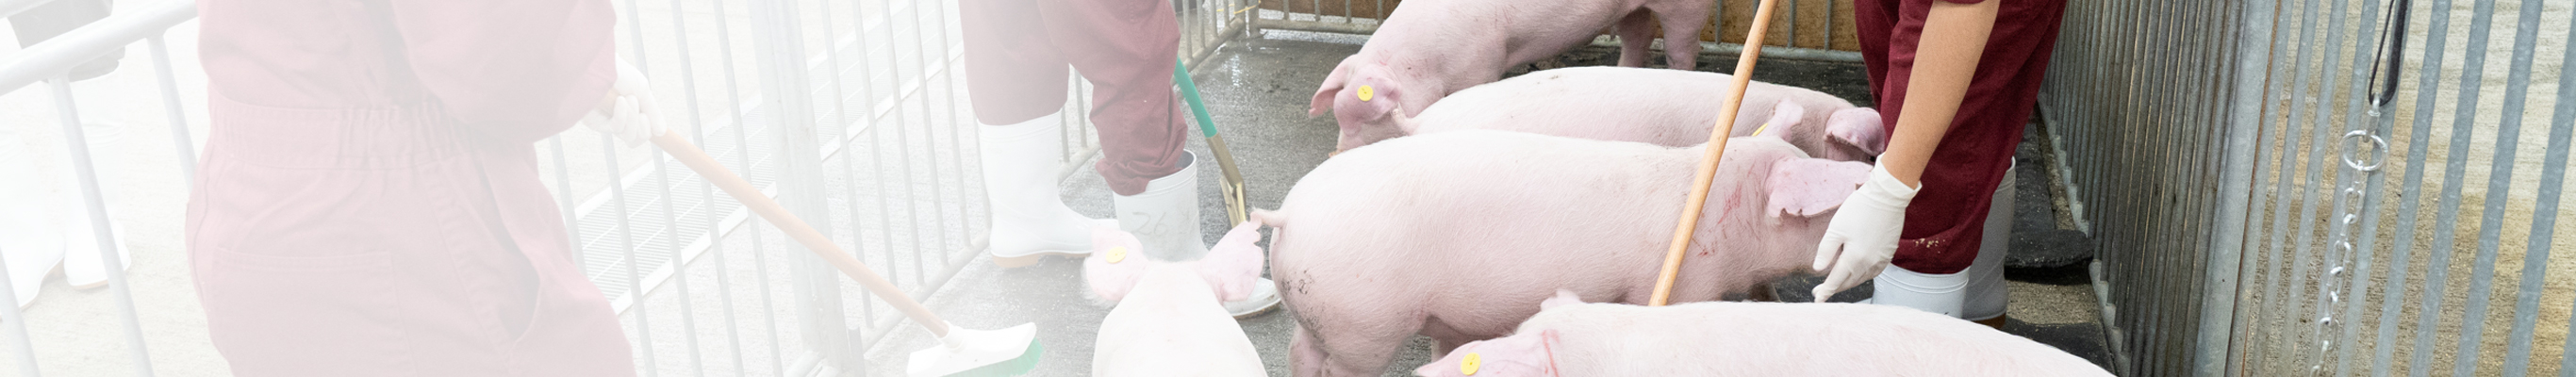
[1028,361]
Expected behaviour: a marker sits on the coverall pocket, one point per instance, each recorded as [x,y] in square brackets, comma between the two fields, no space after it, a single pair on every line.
[305,315]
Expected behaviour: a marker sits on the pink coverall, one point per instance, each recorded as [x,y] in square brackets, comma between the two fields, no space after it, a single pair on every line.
[1017,52]
[369,204]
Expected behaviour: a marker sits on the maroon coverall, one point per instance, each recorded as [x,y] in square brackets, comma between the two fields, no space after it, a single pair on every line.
[1946,221]
[1017,52]
[369,203]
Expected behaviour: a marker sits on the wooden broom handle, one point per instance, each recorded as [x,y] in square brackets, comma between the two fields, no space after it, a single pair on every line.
[750,196]
[1717,136]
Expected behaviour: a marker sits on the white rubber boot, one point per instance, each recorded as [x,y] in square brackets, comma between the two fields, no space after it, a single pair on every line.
[1986,294]
[1165,217]
[1937,293]
[31,242]
[1030,221]
[81,260]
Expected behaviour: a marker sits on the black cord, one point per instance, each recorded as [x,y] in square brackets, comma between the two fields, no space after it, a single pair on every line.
[2393,56]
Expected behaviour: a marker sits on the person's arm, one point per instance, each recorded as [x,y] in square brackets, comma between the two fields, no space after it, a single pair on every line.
[1862,238]
[1954,36]
[513,70]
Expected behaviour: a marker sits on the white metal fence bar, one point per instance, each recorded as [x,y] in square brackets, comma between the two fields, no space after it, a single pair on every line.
[670,225]
[2430,82]
[2484,273]
[706,199]
[48,60]
[178,113]
[85,167]
[2367,98]
[2526,310]
[2544,223]
[2500,176]
[2455,171]
[16,322]
[2352,181]
[2238,164]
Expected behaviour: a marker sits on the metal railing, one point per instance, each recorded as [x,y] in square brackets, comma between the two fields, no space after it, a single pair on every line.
[851,113]
[47,62]
[2261,213]
[873,91]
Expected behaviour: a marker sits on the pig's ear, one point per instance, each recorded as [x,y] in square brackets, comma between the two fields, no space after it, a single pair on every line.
[1389,98]
[1324,95]
[1806,187]
[1233,266]
[1784,121]
[1563,298]
[1860,128]
[1116,261]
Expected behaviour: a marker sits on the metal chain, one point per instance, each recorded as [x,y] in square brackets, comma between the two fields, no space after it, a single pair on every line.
[2351,188]
[2340,250]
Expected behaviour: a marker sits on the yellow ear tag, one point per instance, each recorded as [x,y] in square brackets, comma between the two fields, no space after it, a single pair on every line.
[1116,254]
[1758,131]
[1467,365]
[1367,93]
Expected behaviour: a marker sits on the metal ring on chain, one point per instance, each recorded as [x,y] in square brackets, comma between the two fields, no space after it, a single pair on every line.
[2379,150]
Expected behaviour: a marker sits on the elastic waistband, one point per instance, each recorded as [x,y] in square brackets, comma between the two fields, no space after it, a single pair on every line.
[379,137]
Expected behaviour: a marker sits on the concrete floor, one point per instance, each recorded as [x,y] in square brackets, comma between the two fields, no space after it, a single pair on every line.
[1257,89]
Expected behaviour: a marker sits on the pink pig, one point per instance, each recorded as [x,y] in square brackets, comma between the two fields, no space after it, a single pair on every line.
[1168,320]
[1429,48]
[1570,338]
[1660,106]
[1459,235]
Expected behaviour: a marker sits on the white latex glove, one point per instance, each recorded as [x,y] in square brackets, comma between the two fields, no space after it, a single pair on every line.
[631,118]
[1862,238]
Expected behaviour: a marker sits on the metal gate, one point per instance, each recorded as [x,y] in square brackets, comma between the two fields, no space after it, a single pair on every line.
[2283,187]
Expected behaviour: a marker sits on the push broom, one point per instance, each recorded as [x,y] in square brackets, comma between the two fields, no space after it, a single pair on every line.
[962,352]
[1232,187]
[1733,101]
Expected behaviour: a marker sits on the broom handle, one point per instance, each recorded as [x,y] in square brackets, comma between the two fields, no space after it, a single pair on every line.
[1233,183]
[1733,101]
[742,191]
